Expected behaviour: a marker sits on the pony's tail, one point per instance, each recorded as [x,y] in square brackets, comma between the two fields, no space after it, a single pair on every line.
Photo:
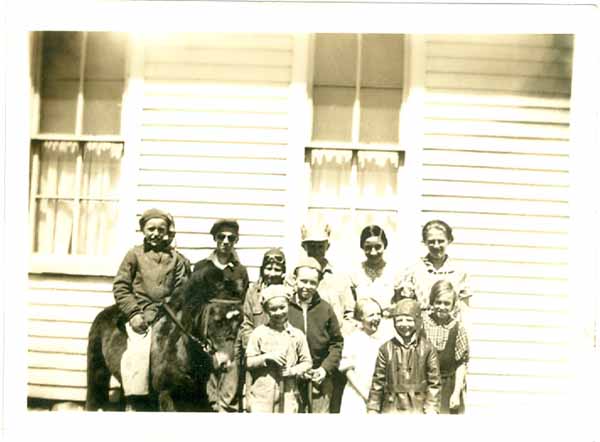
[98,374]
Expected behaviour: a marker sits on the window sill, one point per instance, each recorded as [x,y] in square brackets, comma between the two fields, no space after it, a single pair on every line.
[71,137]
[342,145]
[74,265]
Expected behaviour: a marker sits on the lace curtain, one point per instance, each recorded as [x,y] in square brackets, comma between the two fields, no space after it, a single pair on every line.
[63,192]
[349,190]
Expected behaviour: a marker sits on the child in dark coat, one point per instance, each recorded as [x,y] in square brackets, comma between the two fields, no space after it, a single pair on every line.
[407,372]
[147,276]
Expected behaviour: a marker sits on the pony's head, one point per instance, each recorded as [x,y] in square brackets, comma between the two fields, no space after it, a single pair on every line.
[218,324]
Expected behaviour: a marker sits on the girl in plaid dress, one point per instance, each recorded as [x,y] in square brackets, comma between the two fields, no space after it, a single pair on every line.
[449,338]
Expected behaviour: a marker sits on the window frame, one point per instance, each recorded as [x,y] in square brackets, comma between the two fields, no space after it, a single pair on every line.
[75,264]
[410,127]
[354,143]
[354,146]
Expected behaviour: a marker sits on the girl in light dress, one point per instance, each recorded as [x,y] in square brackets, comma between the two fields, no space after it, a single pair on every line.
[359,356]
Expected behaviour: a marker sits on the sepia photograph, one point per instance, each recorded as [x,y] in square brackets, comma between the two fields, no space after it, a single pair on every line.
[343,220]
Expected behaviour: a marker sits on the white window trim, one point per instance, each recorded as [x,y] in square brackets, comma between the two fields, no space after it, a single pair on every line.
[300,117]
[412,122]
[130,137]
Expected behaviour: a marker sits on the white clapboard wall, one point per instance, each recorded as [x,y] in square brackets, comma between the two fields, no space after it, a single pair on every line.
[496,167]
[60,311]
[215,135]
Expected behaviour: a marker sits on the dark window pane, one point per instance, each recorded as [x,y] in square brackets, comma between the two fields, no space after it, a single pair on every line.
[335,60]
[104,83]
[105,59]
[61,58]
[380,115]
[61,55]
[59,106]
[332,119]
[382,62]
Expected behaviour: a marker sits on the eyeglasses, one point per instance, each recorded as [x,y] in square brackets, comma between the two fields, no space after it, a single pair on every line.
[231,237]
[277,259]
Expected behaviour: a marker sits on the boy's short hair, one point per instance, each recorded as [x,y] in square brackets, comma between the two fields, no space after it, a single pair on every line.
[359,308]
[156,213]
[222,223]
[310,263]
[271,292]
[441,287]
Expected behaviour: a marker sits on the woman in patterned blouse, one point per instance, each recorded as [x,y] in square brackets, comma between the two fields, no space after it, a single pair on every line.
[375,278]
[435,266]
[449,338]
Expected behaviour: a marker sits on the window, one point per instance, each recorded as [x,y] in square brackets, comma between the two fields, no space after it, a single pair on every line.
[77,148]
[354,160]
[357,89]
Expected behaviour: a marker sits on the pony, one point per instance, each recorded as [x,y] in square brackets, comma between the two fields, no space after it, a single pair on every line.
[193,336]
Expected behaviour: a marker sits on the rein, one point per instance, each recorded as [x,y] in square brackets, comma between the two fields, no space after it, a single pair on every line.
[204,342]
[206,345]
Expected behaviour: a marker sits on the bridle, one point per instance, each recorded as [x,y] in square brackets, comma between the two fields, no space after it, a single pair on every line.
[203,341]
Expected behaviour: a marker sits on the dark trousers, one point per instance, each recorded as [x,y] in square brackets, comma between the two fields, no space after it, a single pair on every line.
[339,382]
[222,389]
[320,396]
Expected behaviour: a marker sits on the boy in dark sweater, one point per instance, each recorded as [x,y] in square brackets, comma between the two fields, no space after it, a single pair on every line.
[316,318]
[222,276]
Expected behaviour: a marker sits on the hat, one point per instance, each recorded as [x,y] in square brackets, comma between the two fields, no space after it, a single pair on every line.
[408,307]
[311,263]
[220,224]
[155,213]
[273,291]
[315,232]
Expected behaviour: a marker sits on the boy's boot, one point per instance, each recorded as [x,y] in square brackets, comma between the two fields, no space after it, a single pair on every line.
[136,403]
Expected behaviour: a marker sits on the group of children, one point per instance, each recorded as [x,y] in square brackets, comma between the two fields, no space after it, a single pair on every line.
[295,352]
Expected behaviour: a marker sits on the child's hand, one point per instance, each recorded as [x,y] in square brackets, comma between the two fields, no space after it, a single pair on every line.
[277,357]
[319,375]
[221,360]
[308,374]
[454,400]
[138,324]
[288,372]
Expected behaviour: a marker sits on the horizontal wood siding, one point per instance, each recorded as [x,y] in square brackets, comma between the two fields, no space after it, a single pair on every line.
[214,137]
[496,167]
[60,312]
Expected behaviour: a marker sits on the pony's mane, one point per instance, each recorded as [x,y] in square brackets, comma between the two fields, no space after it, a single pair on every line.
[187,299]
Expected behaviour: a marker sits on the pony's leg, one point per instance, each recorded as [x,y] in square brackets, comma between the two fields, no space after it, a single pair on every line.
[165,401]
[98,374]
